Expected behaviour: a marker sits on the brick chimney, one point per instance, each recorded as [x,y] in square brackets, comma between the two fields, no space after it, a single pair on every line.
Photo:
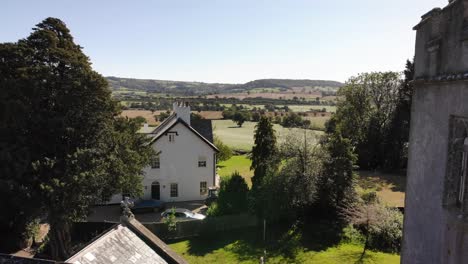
[182,110]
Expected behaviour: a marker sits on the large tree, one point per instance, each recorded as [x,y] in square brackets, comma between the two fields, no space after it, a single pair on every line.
[365,112]
[397,136]
[62,145]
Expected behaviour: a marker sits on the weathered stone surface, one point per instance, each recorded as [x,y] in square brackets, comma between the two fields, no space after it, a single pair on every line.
[435,228]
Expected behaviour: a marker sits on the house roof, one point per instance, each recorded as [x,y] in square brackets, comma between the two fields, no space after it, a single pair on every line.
[129,242]
[204,127]
[173,120]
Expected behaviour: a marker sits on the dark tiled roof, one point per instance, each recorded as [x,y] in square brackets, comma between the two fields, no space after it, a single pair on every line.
[9,259]
[204,127]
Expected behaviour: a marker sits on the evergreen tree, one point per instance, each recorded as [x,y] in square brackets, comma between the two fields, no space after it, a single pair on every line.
[264,152]
[336,184]
[63,147]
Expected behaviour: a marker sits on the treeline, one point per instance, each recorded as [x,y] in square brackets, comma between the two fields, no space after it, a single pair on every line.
[374,114]
[203,104]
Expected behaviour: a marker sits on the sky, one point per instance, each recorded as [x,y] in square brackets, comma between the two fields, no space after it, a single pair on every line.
[232,41]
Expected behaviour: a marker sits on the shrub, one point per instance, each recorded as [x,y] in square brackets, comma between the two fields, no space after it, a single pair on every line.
[232,196]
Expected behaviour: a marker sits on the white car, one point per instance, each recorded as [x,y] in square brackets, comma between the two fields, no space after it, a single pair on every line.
[181,214]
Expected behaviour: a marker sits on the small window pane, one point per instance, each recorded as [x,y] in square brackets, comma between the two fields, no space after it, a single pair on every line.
[203,189]
[201,161]
[155,164]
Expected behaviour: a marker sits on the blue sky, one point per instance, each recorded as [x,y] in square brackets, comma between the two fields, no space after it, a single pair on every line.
[231,41]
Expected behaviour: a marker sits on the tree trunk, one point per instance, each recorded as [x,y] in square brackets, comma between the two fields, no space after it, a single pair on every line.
[361,258]
[60,240]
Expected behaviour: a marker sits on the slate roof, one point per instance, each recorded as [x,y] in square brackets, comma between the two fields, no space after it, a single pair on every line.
[204,127]
[119,246]
[129,242]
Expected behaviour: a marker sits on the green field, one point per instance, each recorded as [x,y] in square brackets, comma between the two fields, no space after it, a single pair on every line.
[246,246]
[241,138]
[240,164]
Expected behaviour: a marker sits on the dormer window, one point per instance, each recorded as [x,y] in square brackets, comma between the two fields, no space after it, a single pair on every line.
[201,161]
[171,136]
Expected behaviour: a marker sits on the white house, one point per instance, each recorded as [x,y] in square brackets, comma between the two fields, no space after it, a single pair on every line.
[185,166]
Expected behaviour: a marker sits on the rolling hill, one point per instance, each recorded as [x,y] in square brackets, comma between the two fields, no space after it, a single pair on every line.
[200,88]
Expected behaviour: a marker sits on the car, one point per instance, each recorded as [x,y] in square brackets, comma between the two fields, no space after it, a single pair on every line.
[141,205]
[181,214]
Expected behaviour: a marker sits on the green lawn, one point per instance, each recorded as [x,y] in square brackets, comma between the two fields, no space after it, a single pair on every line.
[246,246]
[239,163]
[241,138]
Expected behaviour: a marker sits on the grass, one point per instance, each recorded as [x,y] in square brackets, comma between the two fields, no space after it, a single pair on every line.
[240,163]
[241,138]
[246,246]
[390,188]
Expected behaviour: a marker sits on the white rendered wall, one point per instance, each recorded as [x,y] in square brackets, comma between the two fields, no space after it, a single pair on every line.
[179,164]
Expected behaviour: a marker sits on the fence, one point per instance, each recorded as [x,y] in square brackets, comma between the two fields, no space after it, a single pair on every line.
[85,231]
[208,226]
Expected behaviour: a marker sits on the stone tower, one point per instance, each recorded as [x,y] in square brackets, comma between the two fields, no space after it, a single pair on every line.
[436,213]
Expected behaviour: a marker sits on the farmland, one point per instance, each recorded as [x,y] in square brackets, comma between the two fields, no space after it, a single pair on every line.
[241,138]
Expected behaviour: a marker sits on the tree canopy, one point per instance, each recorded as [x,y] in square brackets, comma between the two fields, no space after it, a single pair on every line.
[62,145]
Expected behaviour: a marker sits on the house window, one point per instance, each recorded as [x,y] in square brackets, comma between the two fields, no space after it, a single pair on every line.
[203,189]
[201,161]
[463,165]
[174,190]
[455,196]
[171,137]
[155,164]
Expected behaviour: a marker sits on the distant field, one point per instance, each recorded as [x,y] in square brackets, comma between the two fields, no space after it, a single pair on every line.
[318,122]
[210,114]
[241,138]
[146,114]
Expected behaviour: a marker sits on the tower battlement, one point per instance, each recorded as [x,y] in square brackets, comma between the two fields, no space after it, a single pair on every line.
[442,43]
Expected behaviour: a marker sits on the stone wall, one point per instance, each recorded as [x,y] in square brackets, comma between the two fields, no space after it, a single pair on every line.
[436,225]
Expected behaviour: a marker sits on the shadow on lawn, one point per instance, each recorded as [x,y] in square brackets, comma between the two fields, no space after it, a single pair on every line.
[244,242]
[377,180]
[282,241]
